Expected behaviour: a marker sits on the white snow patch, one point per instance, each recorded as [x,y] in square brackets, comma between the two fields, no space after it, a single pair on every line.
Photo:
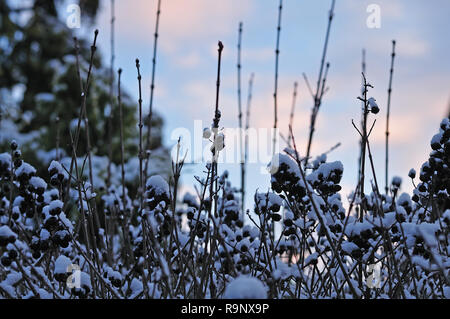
[244,287]
[61,264]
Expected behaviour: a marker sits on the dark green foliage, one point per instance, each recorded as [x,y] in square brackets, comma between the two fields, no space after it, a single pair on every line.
[37,57]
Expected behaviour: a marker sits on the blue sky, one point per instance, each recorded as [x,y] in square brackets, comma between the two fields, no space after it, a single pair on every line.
[186,71]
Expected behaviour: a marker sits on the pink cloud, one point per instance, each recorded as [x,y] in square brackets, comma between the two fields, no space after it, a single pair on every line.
[181,22]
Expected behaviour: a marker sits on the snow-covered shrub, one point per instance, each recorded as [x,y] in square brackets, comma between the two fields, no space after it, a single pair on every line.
[298,242]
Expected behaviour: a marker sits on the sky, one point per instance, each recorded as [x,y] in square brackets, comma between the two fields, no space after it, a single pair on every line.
[187,65]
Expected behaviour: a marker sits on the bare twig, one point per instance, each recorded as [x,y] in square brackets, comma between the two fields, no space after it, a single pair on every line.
[141,152]
[275,93]
[364,142]
[247,125]
[241,142]
[111,95]
[215,127]
[363,70]
[152,88]
[391,72]
[83,104]
[122,150]
[319,89]
[291,116]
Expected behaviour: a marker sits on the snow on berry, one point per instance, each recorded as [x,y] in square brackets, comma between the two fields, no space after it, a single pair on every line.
[25,170]
[55,168]
[5,161]
[158,185]
[244,287]
[62,264]
[38,184]
[206,133]
[7,234]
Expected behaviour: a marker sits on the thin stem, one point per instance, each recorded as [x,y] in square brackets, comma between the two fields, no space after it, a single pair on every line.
[58,157]
[241,144]
[82,212]
[88,142]
[83,104]
[363,70]
[364,143]
[216,120]
[111,95]
[291,116]
[141,152]
[141,181]
[152,88]
[391,72]
[247,124]
[275,93]
[317,97]
[308,85]
[122,151]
